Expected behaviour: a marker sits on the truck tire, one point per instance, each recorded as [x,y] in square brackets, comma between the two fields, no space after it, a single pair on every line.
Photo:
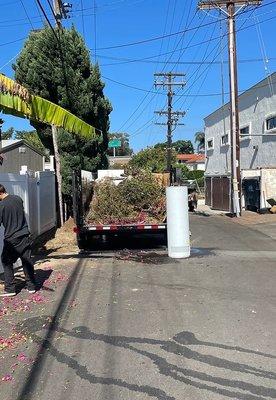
[83,242]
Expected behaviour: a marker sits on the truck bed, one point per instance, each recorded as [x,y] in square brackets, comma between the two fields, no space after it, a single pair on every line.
[86,230]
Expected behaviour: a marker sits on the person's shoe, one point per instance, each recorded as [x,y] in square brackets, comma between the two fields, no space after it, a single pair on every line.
[7,294]
[31,291]
[31,288]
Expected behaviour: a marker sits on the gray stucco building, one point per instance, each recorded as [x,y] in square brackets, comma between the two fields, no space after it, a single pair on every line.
[257,116]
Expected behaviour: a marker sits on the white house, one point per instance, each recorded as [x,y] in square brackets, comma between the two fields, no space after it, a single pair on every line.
[257,117]
[195,162]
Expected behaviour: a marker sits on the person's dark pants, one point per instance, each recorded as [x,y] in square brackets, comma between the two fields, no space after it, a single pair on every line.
[13,249]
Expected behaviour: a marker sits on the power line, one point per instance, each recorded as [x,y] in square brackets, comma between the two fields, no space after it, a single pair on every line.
[95,30]
[148,92]
[167,35]
[146,61]
[147,95]
[186,47]
[39,12]
[263,52]
[10,60]
[54,14]
[196,95]
[13,41]
[27,15]
[163,71]
[82,20]
[47,19]
[156,38]
[36,17]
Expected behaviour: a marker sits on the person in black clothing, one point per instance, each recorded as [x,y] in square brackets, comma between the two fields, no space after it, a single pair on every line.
[17,243]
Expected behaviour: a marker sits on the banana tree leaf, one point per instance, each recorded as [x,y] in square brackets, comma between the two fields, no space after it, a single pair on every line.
[17,100]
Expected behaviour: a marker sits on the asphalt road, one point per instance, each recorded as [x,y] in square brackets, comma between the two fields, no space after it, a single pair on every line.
[144,326]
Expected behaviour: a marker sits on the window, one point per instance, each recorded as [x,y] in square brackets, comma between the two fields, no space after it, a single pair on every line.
[270,123]
[225,140]
[210,144]
[245,132]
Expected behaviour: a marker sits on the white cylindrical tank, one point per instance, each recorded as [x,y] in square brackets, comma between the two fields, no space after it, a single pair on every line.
[178,222]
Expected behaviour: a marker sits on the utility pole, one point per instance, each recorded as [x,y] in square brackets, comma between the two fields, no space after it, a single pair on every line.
[60,11]
[229,8]
[172,116]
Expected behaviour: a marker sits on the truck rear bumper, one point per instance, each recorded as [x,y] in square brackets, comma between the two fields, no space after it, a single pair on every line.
[86,232]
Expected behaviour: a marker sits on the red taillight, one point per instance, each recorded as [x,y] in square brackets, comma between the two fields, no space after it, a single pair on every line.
[76,229]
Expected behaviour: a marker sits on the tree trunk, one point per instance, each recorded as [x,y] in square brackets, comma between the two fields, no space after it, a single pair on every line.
[58,173]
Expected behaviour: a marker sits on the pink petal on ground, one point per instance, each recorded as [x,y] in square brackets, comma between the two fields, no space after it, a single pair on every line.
[7,378]
[22,357]
[37,298]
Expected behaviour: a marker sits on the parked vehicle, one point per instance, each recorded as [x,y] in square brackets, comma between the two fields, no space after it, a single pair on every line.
[82,196]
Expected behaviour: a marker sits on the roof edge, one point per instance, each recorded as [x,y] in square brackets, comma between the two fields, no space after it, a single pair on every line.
[258,84]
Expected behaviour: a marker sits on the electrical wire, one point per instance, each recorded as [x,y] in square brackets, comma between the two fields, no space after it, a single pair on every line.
[127,60]
[148,92]
[181,39]
[8,62]
[82,20]
[263,52]
[170,58]
[150,100]
[87,15]
[27,15]
[47,19]
[222,81]
[63,65]
[154,97]
[175,95]
[146,59]
[53,12]
[137,132]
[13,41]
[39,12]
[184,36]
[168,35]
[95,31]
[208,71]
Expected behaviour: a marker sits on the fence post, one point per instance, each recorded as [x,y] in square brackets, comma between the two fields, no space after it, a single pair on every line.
[37,175]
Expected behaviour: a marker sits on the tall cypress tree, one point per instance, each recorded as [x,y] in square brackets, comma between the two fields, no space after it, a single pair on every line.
[61,71]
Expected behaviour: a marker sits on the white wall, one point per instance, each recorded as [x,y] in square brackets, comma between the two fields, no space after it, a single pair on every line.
[39,199]
[194,166]
[197,166]
[254,106]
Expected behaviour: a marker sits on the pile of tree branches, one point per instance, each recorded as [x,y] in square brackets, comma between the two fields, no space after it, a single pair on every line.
[139,198]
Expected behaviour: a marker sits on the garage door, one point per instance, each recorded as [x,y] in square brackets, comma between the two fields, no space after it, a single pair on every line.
[221,193]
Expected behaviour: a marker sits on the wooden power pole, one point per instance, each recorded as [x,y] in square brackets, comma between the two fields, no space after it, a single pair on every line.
[231,9]
[59,13]
[172,116]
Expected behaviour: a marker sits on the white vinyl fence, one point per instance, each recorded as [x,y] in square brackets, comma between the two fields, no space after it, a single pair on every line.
[39,197]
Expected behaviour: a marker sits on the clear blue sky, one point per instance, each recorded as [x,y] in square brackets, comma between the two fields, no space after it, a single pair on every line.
[110,26]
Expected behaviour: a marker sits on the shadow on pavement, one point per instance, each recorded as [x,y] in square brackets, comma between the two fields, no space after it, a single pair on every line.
[177,345]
